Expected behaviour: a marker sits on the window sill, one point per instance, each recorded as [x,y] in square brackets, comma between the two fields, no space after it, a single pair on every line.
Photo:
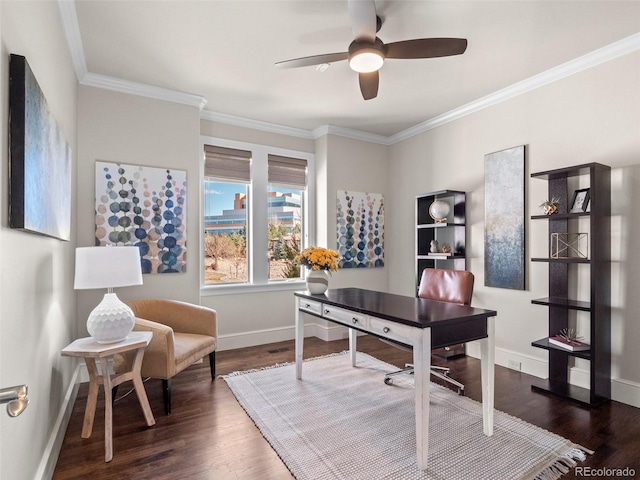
[234,289]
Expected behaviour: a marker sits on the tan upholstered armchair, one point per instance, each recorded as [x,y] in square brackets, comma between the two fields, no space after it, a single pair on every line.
[183,333]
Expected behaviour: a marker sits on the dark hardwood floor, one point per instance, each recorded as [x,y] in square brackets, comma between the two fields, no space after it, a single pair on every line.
[209,436]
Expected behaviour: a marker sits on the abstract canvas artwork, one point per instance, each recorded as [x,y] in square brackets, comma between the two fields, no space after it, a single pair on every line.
[360,229]
[504,240]
[146,207]
[40,159]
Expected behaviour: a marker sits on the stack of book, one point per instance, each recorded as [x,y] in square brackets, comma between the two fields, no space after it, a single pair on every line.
[573,345]
[440,254]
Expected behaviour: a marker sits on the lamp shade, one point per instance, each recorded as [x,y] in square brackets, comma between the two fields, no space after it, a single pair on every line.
[107,267]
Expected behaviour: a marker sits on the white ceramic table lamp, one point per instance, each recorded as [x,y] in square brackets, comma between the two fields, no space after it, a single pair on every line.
[108,267]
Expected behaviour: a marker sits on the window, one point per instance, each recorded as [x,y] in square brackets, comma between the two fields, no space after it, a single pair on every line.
[285,193]
[255,205]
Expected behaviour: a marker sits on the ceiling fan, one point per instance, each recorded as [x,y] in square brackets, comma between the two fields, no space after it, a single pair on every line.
[367,52]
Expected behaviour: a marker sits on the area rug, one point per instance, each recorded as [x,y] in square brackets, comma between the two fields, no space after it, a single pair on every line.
[343,423]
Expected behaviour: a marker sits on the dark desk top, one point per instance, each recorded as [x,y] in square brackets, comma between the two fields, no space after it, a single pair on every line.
[414,311]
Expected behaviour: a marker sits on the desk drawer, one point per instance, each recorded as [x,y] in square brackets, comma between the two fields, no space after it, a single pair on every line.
[390,330]
[346,317]
[311,306]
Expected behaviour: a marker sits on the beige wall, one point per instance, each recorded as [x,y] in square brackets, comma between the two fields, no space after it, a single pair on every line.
[593,116]
[340,163]
[136,130]
[37,300]
[356,166]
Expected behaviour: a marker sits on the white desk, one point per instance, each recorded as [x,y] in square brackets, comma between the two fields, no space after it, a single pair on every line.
[90,350]
[423,324]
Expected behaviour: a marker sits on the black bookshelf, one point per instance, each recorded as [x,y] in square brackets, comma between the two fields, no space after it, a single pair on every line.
[559,303]
[452,232]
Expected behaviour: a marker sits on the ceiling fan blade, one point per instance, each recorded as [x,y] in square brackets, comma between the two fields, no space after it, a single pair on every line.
[363,19]
[426,48]
[369,84]
[313,60]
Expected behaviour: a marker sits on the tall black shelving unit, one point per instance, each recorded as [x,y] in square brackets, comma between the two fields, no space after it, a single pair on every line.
[451,232]
[559,303]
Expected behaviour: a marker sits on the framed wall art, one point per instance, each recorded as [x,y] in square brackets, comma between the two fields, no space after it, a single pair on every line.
[504,208]
[146,207]
[360,229]
[40,159]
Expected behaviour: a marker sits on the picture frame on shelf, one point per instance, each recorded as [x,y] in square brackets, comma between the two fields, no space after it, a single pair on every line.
[580,201]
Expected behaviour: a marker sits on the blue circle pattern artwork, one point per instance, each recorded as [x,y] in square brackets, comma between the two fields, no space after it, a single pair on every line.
[360,230]
[145,207]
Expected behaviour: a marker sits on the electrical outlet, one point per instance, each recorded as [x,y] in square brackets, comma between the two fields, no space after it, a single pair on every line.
[513,365]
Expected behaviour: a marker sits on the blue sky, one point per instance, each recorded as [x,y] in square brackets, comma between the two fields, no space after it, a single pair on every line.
[220,196]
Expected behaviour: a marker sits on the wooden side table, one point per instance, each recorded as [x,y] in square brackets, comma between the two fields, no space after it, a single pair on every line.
[92,350]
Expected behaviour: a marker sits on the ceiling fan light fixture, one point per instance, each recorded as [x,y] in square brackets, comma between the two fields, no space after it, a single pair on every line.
[367,52]
[366,57]
[366,61]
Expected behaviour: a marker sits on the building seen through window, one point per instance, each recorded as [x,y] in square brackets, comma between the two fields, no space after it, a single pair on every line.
[254,213]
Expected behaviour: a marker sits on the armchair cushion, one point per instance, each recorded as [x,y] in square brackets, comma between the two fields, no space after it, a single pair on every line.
[183,333]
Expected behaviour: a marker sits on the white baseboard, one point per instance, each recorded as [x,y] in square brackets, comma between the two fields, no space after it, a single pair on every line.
[528,364]
[623,391]
[331,332]
[52,450]
[260,337]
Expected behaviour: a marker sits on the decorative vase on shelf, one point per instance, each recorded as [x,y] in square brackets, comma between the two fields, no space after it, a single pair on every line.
[317,281]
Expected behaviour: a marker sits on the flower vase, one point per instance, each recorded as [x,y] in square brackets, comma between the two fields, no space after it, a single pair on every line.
[317,281]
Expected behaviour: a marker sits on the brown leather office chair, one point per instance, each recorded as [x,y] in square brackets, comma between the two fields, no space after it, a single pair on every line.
[454,286]
[183,333]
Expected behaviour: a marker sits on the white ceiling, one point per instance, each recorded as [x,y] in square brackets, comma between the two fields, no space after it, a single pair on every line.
[225,51]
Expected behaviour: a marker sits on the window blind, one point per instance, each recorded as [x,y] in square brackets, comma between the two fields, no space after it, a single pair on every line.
[227,163]
[287,170]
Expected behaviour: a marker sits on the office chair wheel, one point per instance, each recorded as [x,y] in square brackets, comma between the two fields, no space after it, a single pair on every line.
[388,381]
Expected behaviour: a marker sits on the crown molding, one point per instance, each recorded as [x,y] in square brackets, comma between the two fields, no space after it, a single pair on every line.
[71,28]
[256,124]
[350,133]
[592,59]
[292,131]
[143,90]
[72,31]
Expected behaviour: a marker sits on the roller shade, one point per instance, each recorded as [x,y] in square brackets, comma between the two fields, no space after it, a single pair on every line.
[227,163]
[287,170]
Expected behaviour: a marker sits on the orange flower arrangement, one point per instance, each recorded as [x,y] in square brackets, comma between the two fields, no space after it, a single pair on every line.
[318,258]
